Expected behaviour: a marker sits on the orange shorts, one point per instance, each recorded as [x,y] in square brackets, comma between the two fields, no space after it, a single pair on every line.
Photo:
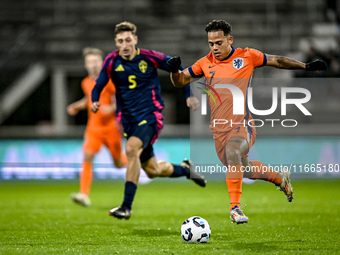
[221,140]
[111,138]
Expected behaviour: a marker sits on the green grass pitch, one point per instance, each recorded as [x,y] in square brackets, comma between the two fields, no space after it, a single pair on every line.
[37,217]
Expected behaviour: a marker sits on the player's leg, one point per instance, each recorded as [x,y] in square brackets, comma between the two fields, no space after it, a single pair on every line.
[256,170]
[165,169]
[234,151]
[133,149]
[91,146]
[259,171]
[139,149]
[230,148]
[86,174]
[121,161]
[85,181]
[113,142]
[139,137]
[154,169]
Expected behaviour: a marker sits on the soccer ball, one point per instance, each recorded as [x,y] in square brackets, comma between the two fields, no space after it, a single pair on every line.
[195,230]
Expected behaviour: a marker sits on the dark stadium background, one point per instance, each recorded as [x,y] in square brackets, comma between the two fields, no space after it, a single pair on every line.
[41,65]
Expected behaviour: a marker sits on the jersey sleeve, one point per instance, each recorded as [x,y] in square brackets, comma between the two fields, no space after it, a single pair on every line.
[158,59]
[258,58]
[118,109]
[163,64]
[196,69]
[102,80]
[187,89]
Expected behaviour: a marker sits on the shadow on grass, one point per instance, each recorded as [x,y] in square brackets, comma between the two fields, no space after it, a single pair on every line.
[268,246]
[153,232]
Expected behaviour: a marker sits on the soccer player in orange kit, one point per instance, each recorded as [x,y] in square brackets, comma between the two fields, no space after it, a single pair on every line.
[102,128]
[226,65]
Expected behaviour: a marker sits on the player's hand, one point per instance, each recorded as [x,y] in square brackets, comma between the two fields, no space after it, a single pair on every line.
[72,109]
[193,103]
[95,107]
[174,64]
[317,65]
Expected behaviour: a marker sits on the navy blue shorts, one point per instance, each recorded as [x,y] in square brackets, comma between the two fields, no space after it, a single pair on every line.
[147,133]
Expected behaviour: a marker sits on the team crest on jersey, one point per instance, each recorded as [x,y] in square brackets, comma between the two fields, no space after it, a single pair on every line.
[143,66]
[238,63]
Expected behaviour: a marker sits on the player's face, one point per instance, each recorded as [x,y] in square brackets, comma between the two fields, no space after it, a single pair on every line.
[93,64]
[220,45]
[126,43]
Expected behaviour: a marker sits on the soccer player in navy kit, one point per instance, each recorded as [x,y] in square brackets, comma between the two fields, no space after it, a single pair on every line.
[139,106]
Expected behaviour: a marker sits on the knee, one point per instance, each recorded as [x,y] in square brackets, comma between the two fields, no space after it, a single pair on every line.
[151,175]
[88,157]
[131,151]
[119,163]
[234,157]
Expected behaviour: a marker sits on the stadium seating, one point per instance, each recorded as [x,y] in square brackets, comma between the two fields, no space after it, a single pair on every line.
[54,33]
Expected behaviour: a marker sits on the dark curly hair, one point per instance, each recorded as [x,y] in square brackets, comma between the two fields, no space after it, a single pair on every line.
[219,25]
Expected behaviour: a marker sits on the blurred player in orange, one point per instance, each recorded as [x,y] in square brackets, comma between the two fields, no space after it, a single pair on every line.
[102,128]
[226,65]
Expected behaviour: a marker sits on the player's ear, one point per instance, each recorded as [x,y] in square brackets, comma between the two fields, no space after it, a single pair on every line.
[136,39]
[231,39]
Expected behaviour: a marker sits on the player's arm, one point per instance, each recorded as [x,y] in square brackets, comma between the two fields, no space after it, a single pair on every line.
[292,64]
[181,78]
[191,101]
[75,107]
[178,78]
[100,84]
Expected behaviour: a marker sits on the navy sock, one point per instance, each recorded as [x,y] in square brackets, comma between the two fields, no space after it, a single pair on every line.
[180,171]
[129,193]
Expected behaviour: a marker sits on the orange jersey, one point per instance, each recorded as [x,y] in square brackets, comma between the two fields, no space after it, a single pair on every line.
[237,70]
[100,120]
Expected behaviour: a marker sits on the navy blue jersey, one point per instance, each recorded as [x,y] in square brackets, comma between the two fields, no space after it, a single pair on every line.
[138,90]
